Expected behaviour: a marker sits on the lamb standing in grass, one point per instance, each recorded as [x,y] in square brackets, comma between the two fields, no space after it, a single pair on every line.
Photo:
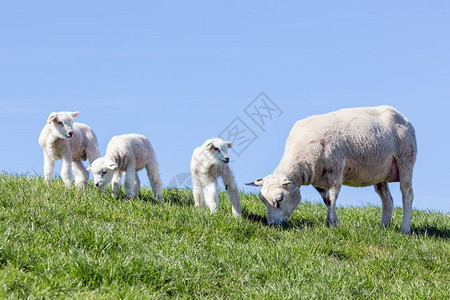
[127,153]
[356,147]
[61,138]
[209,162]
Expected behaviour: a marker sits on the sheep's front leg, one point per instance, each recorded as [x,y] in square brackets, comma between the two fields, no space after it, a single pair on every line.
[49,165]
[333,192]
[211,196]
[66,170]
[115,182]
[81,175]
[129,181]
[233,192]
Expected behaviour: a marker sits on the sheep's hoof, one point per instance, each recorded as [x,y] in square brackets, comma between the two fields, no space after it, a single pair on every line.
[406,230]
[333,223]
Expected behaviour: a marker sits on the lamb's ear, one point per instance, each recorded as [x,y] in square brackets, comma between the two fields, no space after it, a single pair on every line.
[51,117]
[75,114]
[209,146]
[285,181]
[257,182]
[230,144]
[89,168]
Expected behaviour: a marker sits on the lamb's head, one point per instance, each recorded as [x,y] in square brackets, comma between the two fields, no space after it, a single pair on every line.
[217,150]
[62,123]
[280,196]
[103,171]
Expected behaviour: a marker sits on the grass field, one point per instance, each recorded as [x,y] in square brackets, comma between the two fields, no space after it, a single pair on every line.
[68,243]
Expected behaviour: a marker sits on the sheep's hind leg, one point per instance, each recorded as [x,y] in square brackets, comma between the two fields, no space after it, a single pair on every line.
[155,179]
[137,184]
[197,191]
[49,165]
[211,196]
[382,190]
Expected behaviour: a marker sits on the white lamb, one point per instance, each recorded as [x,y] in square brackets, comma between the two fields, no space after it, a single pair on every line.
[355,147]
[61,138]
[127,153]
[209,162]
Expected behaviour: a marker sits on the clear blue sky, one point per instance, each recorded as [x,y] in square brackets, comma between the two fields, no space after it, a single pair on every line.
[180,72]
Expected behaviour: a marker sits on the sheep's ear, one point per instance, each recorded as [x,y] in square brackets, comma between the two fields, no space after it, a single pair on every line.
[75,114]
[89,168]
[257,182]
[112,166]
[51,117]
[209,146]
[230,144]
[285,181]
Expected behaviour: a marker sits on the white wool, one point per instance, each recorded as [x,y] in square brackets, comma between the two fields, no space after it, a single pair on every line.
[355,147]
[209,162]
[127,153]
[61,138]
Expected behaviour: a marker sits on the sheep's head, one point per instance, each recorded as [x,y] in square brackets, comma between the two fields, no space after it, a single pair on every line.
[103,171]
[280,196]
[62,123]
[217,150]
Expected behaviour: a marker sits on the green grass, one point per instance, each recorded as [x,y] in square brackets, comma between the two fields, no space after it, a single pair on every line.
[68,243]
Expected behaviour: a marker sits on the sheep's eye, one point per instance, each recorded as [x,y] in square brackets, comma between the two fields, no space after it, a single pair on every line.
[217,149]
[279,198]
[103,173]
[60,123]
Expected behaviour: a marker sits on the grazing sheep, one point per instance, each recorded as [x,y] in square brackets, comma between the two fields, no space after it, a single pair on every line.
[61,138]
[355,147]
[209,162]
[127,153]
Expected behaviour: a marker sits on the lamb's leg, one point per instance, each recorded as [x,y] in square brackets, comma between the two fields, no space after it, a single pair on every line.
[49,164]
[137,184]
[81,175]
[129,181]
[115,182]
[211,196]
[66,170]
[197,191]
[382,190]
[155,180]
[232,190]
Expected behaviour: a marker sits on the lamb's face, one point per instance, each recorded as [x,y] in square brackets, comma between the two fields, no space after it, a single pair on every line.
[62,123]
[103,171]
[280,196]
[217,151]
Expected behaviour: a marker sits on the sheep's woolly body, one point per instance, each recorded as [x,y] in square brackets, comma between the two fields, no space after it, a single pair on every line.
[130,153]
[209,162]
[365,144]
[82,145]
[355,147]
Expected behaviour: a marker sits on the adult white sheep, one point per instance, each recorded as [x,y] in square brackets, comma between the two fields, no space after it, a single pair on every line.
[355,147]
[209,162]
[61,138]
[127,153]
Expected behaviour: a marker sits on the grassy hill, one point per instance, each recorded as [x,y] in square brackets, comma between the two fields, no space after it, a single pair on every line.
[69,243]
